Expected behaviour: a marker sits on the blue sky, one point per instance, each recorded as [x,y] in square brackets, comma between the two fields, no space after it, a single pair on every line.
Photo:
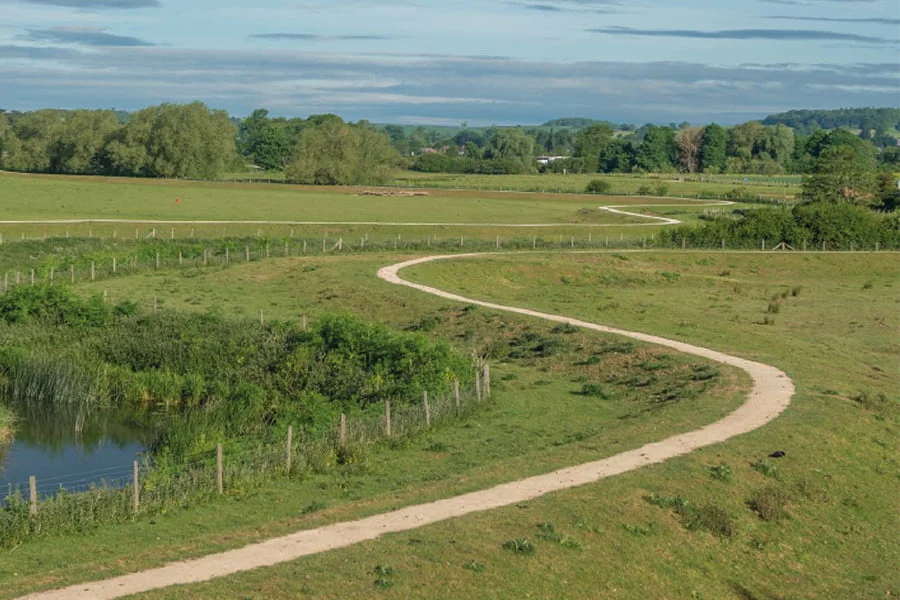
[444,62]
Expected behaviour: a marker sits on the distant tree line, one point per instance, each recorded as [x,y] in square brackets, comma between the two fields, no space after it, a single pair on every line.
[872,123]
[192,141]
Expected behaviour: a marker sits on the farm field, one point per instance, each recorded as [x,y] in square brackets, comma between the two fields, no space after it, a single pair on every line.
[823,509]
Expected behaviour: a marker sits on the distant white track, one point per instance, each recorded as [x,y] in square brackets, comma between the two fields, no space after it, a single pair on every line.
[771,395]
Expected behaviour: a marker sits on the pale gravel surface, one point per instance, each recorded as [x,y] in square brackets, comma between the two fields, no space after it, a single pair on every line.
[771,394]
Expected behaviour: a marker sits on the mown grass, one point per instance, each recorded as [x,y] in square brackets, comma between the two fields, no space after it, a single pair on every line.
[709,525]
[480,213]
[777,188]
[510,437]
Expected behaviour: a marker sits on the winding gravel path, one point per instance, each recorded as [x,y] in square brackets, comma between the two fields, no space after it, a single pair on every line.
[771,394]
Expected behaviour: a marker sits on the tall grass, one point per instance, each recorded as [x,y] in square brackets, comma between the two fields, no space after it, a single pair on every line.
[247,464]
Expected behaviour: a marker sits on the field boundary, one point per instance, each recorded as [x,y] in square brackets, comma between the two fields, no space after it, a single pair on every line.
[770,396]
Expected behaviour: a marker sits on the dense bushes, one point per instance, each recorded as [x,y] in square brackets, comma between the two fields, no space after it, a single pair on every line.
[435,162]
[226,376]
[836,225]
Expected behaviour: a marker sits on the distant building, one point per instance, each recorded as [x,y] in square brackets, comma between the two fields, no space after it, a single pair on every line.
[545,160]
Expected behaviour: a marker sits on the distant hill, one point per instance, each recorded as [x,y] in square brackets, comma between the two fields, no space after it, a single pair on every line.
[804,122]
[572,122]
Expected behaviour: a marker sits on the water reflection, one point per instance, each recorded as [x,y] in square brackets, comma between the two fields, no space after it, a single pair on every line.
[72,448]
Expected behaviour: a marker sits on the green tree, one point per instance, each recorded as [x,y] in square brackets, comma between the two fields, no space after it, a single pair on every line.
[840,173]
[712,149]
[593,141]
[658,152]
[336,153]
[79,141]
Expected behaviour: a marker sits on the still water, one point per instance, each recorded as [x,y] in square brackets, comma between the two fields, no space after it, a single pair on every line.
[72,453]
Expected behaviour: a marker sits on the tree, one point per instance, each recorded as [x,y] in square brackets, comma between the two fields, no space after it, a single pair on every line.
[336,153]
[616,157]
[79,141]
[712,149]
[746,140]
[887,193]
[264,141]
[690,140]
[658,152]
[512,145]
[840,173]
[592,141]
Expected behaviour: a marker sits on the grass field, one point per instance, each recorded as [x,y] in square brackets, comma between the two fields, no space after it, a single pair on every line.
[776,188]
[814,524]
[724,522]
[509,438]
[442,214]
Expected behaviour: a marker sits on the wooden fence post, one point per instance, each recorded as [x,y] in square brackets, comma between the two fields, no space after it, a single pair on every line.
[262,319]
[456,393]
[247,253]
[226,254]
[157,260]
[304,247]
[155,305]
[93,272]
[205,256]
[72,273]
[427,409]
[387,417]
[180,258]
[32,496]
[52,273]
[220,479]
[32,274]
[290,445]
[267,250]
[478,384]
[486,379]
[135,489]
[343,430]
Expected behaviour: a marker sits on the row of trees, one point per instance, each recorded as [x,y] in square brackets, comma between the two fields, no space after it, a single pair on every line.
[161,141]
[193,141]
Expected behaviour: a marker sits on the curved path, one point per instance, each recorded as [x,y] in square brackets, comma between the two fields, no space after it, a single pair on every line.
[771,394]
[611,209]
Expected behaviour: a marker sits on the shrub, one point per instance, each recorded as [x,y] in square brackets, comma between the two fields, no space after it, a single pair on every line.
[770,503]
[520,546]
[721,472]
[598,186]
[593,390]
[765,467]
[709,518]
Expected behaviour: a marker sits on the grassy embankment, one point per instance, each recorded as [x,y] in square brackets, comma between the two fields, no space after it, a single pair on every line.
[514,435]
[725,522]
[479,213]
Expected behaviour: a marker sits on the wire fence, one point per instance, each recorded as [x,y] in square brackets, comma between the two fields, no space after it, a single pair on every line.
[78,502]
[173,255]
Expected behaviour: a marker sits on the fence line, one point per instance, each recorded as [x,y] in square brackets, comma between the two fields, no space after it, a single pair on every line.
[259,250]
[58,505]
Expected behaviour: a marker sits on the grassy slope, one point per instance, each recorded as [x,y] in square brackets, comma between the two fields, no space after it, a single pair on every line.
[513,437]
[836,338]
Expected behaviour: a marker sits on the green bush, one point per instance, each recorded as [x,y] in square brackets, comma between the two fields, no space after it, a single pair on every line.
[598,186]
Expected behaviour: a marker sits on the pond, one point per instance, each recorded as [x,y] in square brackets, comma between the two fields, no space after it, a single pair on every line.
[72,451]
